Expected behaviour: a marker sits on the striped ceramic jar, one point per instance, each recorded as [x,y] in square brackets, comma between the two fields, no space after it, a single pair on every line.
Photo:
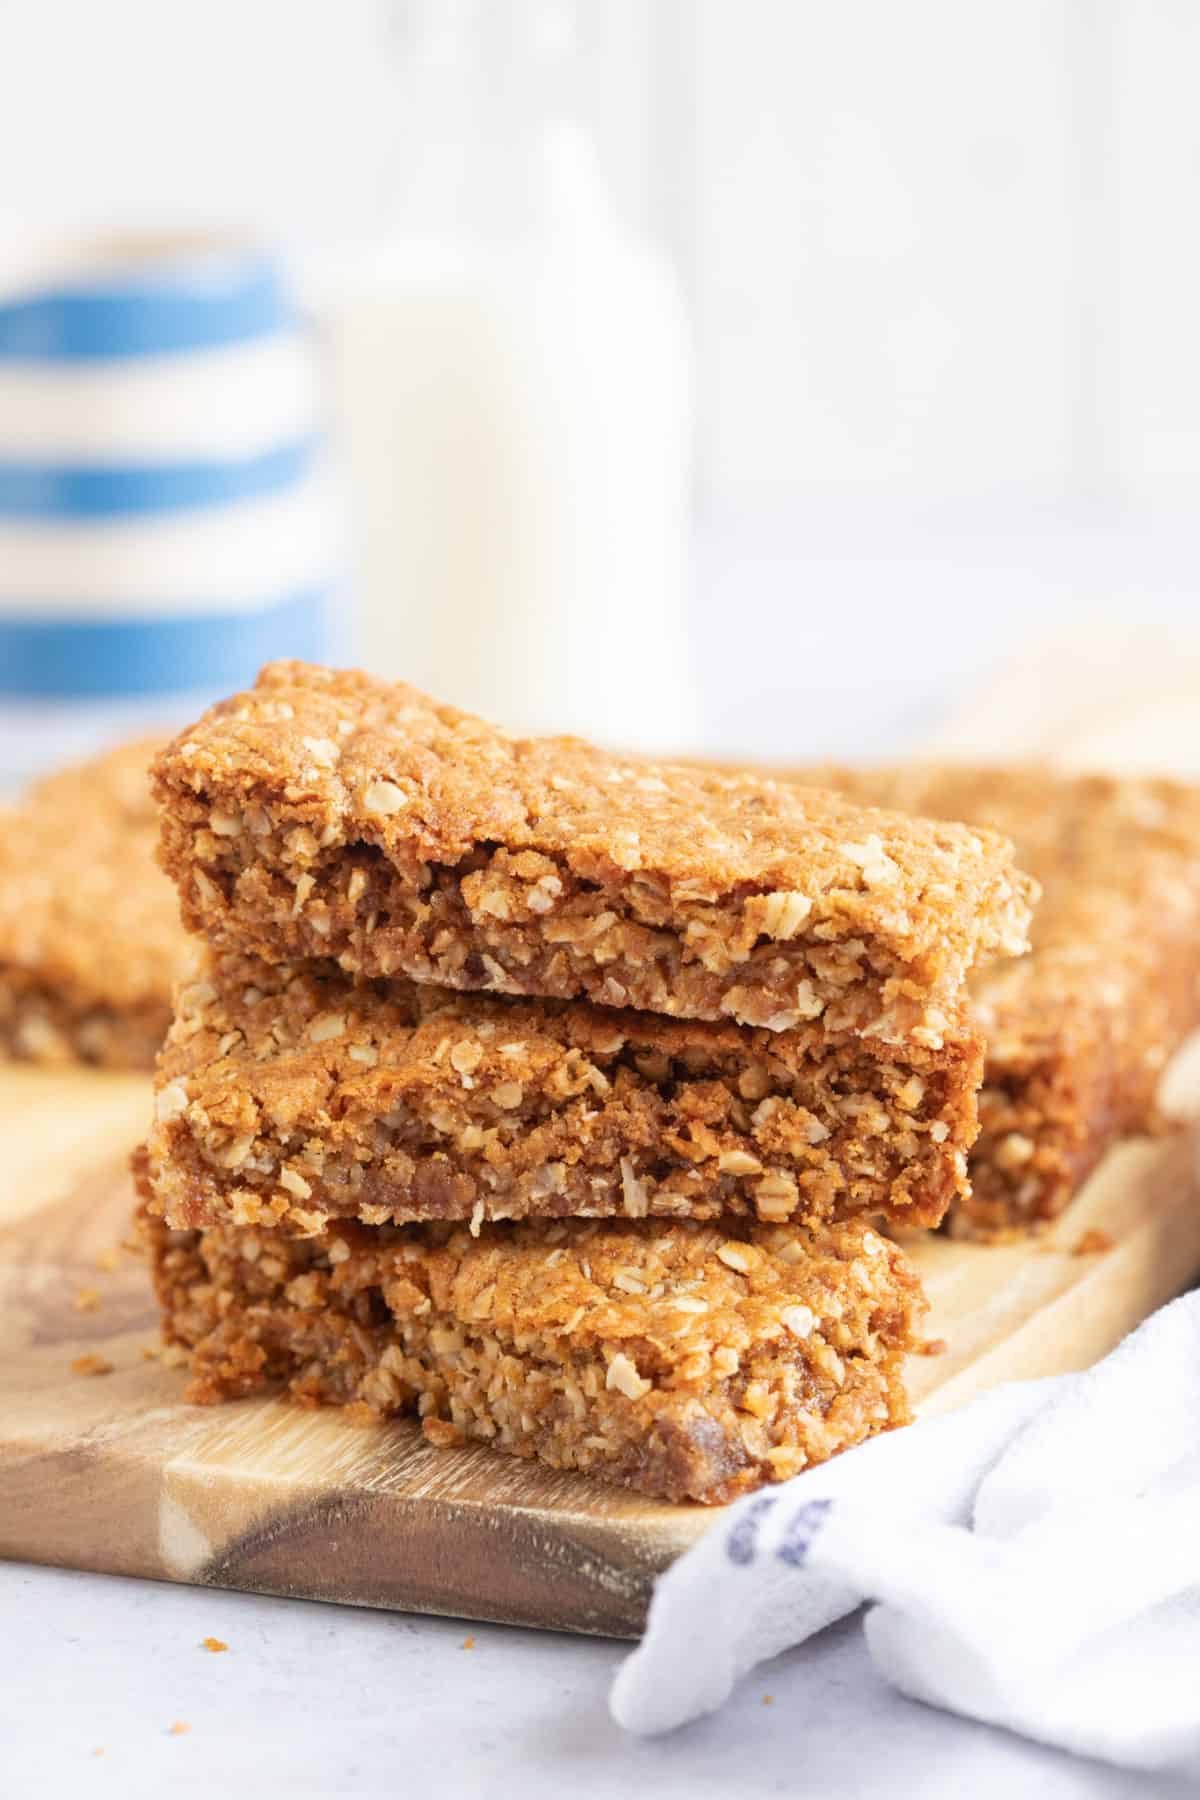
[165,517]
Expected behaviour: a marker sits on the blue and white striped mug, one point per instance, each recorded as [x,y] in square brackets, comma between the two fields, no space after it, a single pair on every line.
[166,521]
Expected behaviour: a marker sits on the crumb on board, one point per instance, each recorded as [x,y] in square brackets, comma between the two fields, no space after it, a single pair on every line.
[933,1347]
[151,1352]
[180,1728]
[359,1412]
[108,1259]
[91,1364]
[99,1750]
[442,1434]
[1094,1242]
[768,1699]
[87,1300]
[214,1644]
[468,1643]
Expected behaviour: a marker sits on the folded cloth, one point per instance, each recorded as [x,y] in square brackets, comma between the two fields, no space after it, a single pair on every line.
[1032,1561]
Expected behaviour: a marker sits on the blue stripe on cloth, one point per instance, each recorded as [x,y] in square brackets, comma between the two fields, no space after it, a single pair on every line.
[70,491]
[72,657]
[185,303]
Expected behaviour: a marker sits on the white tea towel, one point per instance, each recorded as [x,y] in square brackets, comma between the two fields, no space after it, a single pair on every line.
[1032,1561]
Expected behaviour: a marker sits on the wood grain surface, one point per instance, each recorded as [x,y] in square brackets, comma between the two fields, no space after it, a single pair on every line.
[113,1472]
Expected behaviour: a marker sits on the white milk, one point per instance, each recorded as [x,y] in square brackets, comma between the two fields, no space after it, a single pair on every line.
[515,423]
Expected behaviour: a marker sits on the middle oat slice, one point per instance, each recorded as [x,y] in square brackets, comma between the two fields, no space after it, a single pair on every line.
[288,1095]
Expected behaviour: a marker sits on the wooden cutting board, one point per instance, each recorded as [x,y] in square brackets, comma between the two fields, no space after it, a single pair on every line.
[113,1472]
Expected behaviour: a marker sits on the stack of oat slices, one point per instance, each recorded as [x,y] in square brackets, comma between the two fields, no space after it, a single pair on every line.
[555,1097]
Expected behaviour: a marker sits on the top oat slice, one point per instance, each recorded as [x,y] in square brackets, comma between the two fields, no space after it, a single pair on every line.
[327,814]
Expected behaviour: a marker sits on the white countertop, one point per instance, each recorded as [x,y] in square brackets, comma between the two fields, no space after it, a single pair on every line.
[327,1700]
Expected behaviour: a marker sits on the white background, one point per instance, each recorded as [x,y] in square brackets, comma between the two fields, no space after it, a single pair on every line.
[940,249]
[940,260]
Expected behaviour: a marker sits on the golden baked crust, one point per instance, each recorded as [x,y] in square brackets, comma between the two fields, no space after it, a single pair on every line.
[1077,1032]
[287,1093]
[327,814]
[90,936]
[686,1361]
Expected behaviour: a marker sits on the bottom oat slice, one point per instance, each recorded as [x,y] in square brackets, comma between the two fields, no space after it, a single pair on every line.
[683,1360]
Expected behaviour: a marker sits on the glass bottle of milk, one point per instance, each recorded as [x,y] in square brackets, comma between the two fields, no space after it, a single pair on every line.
[512,383]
